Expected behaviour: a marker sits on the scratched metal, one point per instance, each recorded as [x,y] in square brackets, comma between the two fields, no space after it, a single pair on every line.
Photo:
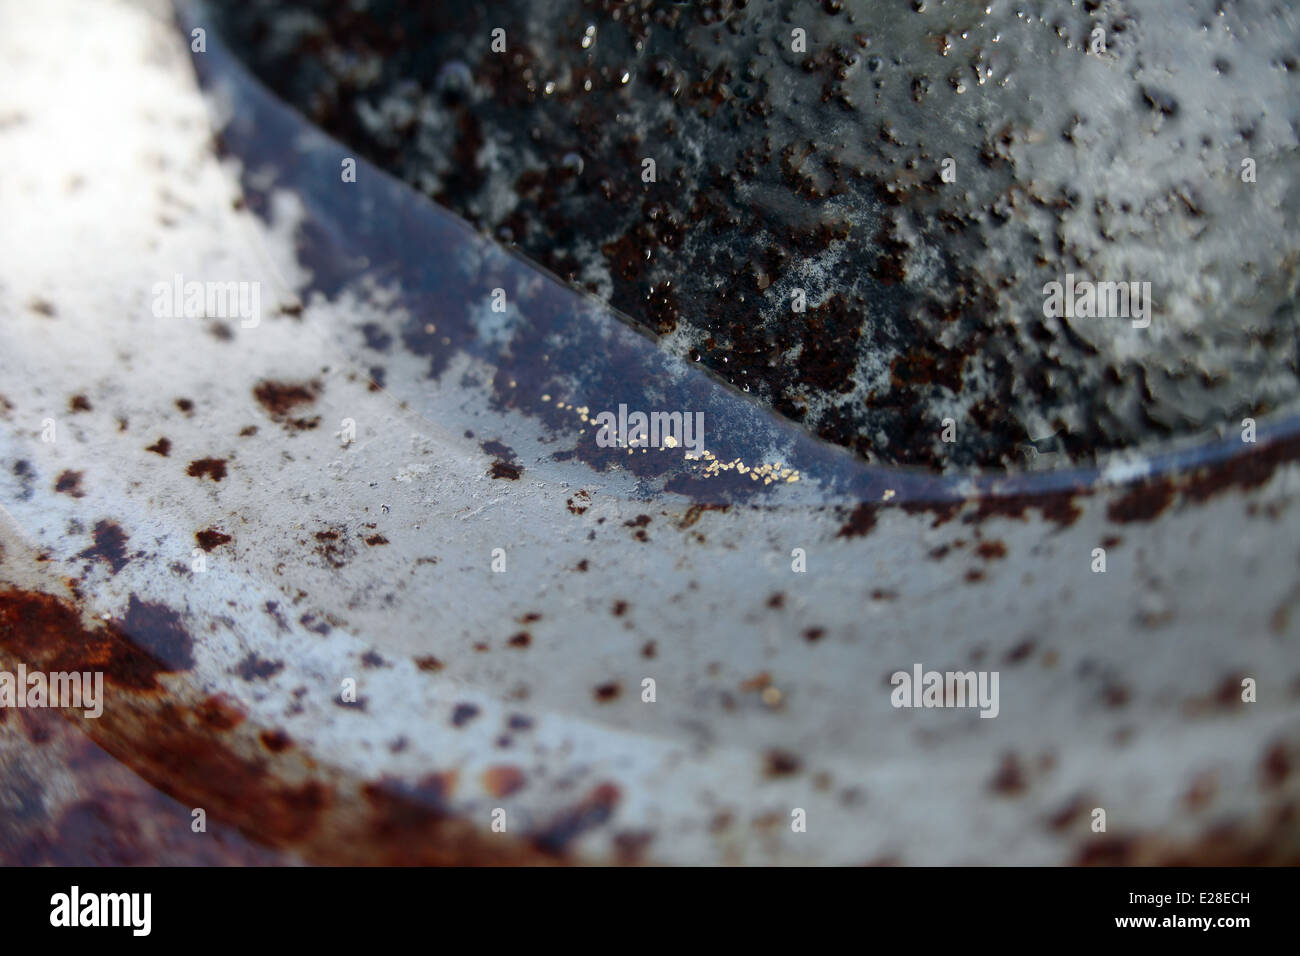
[371,559]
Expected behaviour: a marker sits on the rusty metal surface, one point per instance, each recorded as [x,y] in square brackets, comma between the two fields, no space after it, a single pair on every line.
[326,560]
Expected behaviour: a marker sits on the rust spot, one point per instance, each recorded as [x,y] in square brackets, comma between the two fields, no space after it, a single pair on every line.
[1276,766]
[162,446]
[109,546]
[210,538]
[619,608]
[220,713]
[376,539]
[214,468]
[506,465]
[1243,471]
[1115,695]
[503,780]
[69,483]
[991,550]
[276,741]
[45,630]
[428,663]
[1057,507]
[594,811]
[814,634]
[406,812]
[1009,780]
[1200,793]
[604,693]
[630,847]
[860,522]
[522,639]
[185,405]
[781,763]
[79,403]
[693,513]
[332,548]
[1221,845]
[253,667]
[943,511]
[1021,651]
[462,714]
[1069,814]
[1143,502]
[158,630]
[280,399]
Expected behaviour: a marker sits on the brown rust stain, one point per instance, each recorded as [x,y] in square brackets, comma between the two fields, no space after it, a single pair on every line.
[47,631]
[282,399]
[69,483]
[206,753]
[506,465]
[503,780]
[210,538]
[214,468]
[781,763]
[692,514]
[1270,842]
[220,712]
[1144,501]
[1058,507]
[859,522]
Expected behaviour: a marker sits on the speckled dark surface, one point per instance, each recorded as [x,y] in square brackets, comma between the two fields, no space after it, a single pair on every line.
[819,170]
